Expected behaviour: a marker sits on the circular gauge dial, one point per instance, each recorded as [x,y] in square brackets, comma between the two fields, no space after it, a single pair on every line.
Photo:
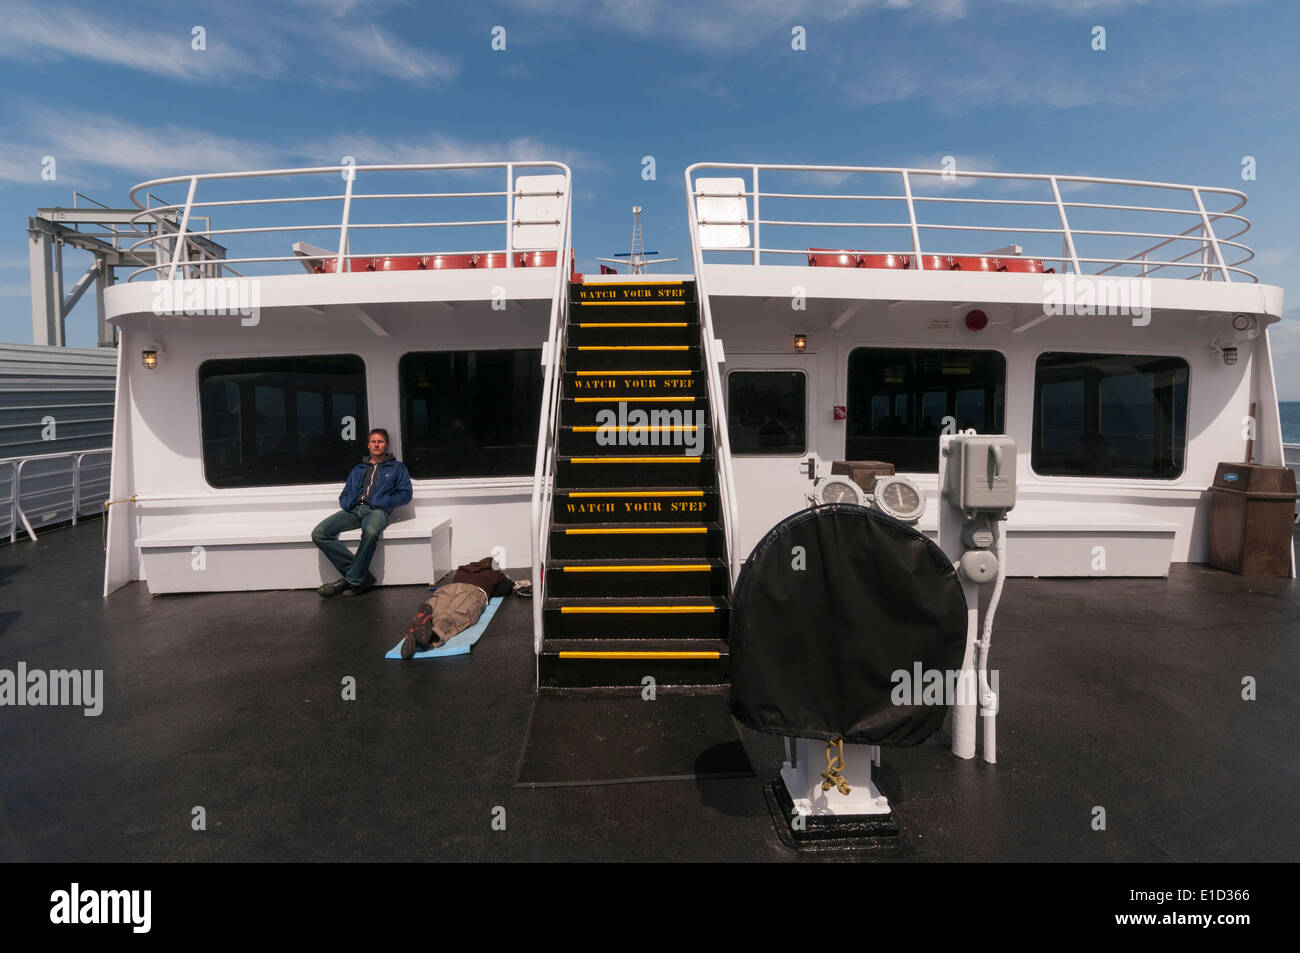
[839,493]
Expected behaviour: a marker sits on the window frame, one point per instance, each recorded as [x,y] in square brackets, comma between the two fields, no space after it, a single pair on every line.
[286,356]
[971,348]
[1114,479]
[791,455]
[403,430]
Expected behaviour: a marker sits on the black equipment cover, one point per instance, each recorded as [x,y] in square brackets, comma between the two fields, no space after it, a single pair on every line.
[813,650]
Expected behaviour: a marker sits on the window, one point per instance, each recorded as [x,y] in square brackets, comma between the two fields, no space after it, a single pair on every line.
[470,413]
[898,400]
[273,421]
[766,412]
[1110,415]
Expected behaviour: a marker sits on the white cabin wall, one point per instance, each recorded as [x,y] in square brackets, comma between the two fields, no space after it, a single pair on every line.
[160,453]
[758,330]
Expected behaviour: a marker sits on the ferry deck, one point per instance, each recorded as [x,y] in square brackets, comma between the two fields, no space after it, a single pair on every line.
[1120,693]
[1122,676]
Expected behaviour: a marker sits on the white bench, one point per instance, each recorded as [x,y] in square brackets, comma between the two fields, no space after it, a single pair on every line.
[246,553]
[1043,544]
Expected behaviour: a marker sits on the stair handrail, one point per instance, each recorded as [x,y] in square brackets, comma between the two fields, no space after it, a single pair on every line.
[545,462]
[717,410]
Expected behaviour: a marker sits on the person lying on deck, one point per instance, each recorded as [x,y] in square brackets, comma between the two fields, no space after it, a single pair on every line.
[374,488]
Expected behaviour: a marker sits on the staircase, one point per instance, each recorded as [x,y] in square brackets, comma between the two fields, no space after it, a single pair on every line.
[636,582]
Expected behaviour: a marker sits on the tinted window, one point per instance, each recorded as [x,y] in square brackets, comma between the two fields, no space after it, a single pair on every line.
[271,421]
[766,412]
[470,413]
[1110,415]
[898,399]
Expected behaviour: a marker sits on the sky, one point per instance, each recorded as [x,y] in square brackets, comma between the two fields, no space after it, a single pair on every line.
[1183,91]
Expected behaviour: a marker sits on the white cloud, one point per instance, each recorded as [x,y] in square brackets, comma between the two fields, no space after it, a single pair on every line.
[36,32]
[242,44]
[149,150]
[442,147]
[729,24]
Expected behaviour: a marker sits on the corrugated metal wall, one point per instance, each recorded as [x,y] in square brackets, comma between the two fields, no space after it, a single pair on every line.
[54,400]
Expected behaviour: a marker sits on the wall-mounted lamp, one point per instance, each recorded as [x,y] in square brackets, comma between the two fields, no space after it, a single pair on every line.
[1229,355]
[149,356]
[800,343]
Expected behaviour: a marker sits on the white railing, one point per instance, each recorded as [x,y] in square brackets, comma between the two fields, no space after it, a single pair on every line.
[914,219]
[717,403]
[544,463]
[53,499]
[176,243]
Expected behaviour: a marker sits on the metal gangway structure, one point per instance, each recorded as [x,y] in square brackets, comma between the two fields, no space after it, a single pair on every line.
[108,234]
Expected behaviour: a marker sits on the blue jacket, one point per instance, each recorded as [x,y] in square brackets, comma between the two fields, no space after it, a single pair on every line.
[392,485]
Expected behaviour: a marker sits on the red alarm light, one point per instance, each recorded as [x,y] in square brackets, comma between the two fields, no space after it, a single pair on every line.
[977,320]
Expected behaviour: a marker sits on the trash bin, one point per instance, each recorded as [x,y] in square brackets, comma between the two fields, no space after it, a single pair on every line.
[1251,513]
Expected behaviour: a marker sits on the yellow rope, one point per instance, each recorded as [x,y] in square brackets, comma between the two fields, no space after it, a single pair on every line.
[831,777]
[107,503]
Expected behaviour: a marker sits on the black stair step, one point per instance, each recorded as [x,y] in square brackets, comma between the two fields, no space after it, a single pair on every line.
[680,381]
[685,432]
[665,466]
[665,329]
[627,617]
[621,578]
[681,504]
[625,357]
[578,663]
[583,411]
[598,293]
[637,540]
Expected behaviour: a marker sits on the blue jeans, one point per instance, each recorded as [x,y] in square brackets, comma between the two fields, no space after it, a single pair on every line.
[326,538]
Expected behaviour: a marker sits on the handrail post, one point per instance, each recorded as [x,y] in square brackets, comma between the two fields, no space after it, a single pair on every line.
[1209,233]
[185,224]
[911,217]
[13,502]
[757,243]
[510,216]
[18,482]
[1065,227]
[343,226]
[76,486]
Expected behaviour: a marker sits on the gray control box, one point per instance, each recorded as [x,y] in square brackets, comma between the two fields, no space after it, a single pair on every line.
[982,472]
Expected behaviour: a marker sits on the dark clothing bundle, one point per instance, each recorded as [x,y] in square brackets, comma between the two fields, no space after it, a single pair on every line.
[481,574]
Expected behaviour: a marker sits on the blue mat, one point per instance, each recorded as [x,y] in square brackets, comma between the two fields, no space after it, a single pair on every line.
[461,642]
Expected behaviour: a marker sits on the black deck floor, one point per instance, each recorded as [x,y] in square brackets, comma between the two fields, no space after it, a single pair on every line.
[1123,694]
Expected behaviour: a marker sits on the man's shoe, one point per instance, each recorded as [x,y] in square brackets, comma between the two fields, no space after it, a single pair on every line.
[333,588]
[418,633]
[358,588]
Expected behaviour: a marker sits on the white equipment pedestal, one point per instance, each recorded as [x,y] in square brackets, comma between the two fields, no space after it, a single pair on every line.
[804,781]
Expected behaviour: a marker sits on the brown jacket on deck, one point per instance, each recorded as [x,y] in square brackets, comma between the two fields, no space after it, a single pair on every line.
[482,574]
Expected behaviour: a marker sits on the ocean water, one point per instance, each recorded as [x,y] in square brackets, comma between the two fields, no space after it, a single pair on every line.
[1289,411]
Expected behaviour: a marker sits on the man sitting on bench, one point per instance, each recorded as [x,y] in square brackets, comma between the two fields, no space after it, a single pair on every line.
[375,486]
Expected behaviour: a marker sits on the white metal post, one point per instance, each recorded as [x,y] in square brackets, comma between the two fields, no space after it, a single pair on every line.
[1065,227]
[179,248]
[911,218]
[1209,234]
[757,243]
[343,226]
[510,215]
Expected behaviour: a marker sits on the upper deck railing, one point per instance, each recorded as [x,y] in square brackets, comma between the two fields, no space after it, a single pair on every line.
[526,211]
[1077,224]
